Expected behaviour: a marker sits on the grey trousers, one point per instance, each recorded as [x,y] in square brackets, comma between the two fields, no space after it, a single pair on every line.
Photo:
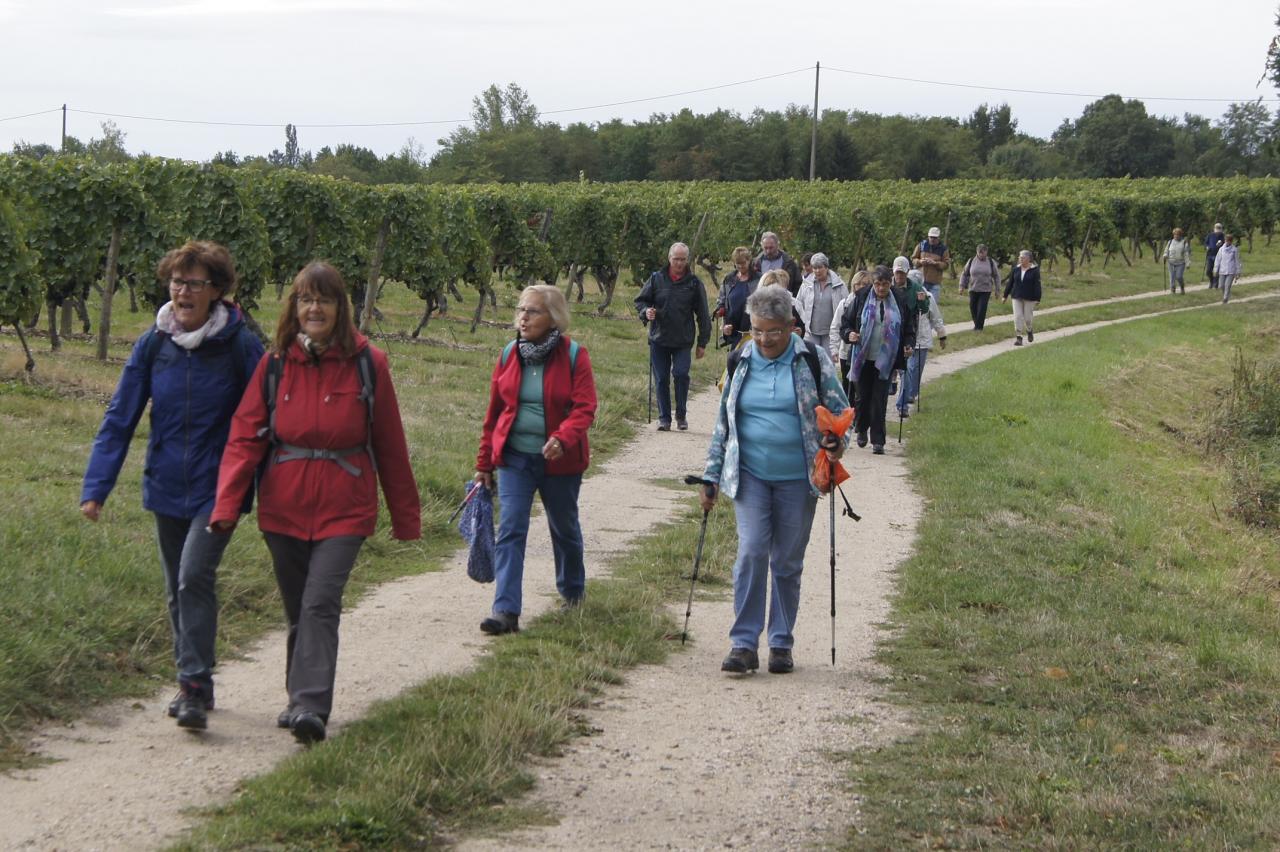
[312,576]
[190,555]
[1225,281]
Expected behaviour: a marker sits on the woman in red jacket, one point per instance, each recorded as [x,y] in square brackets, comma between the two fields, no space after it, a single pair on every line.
[542,400]
[326,445]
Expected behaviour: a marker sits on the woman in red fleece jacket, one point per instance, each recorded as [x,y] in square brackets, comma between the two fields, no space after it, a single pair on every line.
[317,499]
[542,400]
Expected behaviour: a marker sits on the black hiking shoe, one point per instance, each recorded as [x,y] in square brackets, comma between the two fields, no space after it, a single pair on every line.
[682,424]
[285,717]
[1031,336]
[1017,341]
[570,604]
[500,623]
[177,700]
[307,727]
[877,449]
[862,439]
[192,713]
[780,661]
[664,425]
[740,661]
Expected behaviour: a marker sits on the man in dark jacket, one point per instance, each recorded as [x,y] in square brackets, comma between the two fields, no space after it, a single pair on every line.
[669,303]
[1212,243]
[772,257]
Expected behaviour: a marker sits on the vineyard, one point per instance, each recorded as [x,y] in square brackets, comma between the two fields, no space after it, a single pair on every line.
[67,225]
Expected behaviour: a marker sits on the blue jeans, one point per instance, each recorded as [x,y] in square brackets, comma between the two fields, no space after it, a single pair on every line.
[667,361]
[911,378]
[936,291]
[774,519]
[189,556]
[523,474]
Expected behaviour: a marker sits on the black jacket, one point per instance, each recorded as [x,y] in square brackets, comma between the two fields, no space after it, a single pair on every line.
[851,320]
[788,264]
[1024,284]
[733,298]
[679,305]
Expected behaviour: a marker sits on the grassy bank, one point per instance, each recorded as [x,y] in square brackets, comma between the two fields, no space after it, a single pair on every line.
[1087,643]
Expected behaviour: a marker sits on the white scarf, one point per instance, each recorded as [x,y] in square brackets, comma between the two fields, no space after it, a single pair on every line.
[166,322]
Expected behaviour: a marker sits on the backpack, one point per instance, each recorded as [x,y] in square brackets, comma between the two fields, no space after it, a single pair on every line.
[969,266]
[271,378]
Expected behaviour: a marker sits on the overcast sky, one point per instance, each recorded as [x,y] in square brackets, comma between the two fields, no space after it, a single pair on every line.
[273,62]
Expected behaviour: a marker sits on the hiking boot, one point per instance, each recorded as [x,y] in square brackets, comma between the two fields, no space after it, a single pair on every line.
[570,604]
[780,661]
[878,449]
[862,439]
[177,699]
[500,623]
[192,712]
[904,414]
[682,424]
[307,727]
[1031,336]
[740,661]
[1017,341]
[664,425]
[285,717]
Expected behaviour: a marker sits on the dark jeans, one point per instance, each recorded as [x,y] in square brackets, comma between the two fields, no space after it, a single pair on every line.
[312,576]
[523,474]
[978,309]
[189,556]
[667,362]
[873,398]
[1208,270]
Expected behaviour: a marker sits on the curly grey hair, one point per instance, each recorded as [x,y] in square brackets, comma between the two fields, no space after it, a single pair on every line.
[770,303]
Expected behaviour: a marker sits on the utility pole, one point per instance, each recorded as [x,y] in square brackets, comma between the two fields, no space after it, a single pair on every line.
[813,142]
[63,149]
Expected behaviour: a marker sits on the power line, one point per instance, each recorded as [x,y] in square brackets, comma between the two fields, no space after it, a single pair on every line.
[1031,91]
[30,114]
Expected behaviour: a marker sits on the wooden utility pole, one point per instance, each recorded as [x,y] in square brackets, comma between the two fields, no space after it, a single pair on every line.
[813,141]
[63,149]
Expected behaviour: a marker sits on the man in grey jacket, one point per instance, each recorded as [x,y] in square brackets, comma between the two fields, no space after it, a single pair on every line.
[670,302]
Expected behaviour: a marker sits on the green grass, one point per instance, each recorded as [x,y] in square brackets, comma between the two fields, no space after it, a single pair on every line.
[1086,644]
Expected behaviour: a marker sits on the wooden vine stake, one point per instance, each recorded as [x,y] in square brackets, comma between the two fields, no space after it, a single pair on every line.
[375,272]
[104,324]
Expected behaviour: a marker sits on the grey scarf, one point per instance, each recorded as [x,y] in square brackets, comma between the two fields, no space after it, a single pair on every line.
[536,353]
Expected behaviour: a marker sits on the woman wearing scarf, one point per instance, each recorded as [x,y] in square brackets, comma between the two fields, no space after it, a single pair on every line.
[542,401]
[882,330]
[193,366]
[327,447]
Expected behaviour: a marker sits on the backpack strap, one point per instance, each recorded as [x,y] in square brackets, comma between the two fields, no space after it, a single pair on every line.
[368,380]
[810,356]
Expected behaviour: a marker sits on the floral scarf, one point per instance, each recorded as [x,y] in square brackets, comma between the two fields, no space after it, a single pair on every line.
[892,319]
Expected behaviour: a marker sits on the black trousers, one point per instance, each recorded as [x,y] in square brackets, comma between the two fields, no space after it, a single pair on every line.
[873,399]
[978,308]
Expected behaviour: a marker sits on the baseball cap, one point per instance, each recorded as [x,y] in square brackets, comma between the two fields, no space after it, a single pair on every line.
[934,232]
[901,263]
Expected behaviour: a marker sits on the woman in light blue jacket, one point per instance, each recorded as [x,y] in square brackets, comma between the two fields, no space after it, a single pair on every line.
[1227,267]
[761,456]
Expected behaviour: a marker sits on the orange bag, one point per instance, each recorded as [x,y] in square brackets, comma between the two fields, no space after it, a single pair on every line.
[837,425]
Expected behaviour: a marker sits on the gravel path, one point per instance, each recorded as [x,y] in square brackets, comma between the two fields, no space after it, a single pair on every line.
[687,757]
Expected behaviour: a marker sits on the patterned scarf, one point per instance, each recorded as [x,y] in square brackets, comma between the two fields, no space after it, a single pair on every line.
[536,353]
[877,312]
[217,321]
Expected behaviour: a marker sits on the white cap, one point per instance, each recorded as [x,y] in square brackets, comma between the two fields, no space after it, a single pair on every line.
[934,232]
[901,263]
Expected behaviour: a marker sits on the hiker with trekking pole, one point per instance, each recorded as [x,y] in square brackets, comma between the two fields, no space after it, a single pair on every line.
[671,302]
[763,454]
[881,325]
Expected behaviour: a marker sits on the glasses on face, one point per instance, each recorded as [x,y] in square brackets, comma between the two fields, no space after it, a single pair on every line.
[316,301]
[530,312]
[772,335]
[195,285]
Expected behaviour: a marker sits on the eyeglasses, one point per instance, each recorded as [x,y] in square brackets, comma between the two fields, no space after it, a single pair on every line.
[195,285]
[772,335]
[316,301]
[530,312]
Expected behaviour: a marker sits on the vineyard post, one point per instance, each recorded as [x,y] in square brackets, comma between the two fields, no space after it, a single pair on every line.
[1084,246]
[104,323]
[902,247]
[813,140]
[946,229]
[693,247]
[375,272]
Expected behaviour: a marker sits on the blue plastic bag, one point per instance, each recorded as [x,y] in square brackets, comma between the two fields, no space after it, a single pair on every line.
[476,526]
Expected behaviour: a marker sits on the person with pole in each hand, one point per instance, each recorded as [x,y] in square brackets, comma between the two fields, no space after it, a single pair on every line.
[762,456]
[670,303]
[882,326]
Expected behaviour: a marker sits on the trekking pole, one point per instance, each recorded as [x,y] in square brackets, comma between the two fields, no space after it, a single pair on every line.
[697,559]
[832,500]
[649,419]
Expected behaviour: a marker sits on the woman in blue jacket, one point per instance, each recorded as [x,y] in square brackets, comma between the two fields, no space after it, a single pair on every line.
[192,365]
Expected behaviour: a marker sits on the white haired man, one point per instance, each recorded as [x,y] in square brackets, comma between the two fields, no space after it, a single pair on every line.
[670,303]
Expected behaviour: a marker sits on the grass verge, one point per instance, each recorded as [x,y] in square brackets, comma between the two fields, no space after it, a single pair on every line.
[1088,645]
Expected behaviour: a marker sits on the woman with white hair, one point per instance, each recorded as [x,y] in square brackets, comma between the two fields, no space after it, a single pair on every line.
[819,296]
[1024,286]
[762,456]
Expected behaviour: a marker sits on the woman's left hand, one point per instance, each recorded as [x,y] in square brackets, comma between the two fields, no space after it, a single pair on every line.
[833,446]
[552,449]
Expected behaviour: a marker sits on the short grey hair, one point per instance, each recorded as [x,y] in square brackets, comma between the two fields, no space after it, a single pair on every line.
[819,259]
[770,303]
[767,235]
[552,300]
[671,251]
[1027,254]
[981,247]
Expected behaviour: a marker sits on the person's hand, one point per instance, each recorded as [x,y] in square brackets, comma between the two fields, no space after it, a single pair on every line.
[854,337]
[552,449]
[222,527]
[833,446]
[700,351]
[726,330]
[942,342]
[922,296]
[485,478]
[907,350]
[91,509]
[650,314]
[707,497]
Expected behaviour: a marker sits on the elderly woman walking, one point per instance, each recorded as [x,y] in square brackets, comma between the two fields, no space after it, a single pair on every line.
[881,323]
[762,457]
[542,401]
[1024,286]
[819,296]
[192,366]
[322,413]
[1177,253]
[1227,266]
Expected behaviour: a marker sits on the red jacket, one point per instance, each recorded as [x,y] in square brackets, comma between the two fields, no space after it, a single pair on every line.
[568,398]
[318,406]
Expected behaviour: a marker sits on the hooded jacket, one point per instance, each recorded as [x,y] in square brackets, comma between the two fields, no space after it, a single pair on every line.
[1024,283]
[807,296]
[318,406]
[679,305]
[193,394]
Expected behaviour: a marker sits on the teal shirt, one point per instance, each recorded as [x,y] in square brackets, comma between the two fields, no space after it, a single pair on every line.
[529,431]
[768,419]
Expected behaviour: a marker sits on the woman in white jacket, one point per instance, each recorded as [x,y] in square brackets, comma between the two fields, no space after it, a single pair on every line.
[1226,266]
[860,281]
[818,301]
[924,340]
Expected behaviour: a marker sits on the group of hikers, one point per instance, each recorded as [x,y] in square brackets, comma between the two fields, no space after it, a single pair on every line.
[312,427]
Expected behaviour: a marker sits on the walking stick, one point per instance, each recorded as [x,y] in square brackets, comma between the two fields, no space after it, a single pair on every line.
[697,559]
[832,500]
[649,418]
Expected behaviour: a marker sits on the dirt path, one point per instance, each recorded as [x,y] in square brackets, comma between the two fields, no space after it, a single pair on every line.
[687,757]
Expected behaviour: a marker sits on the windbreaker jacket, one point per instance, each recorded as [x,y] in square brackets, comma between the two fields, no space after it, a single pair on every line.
[1024,284]
[807,297]
[1227,261]
[193,394]
[679,305]
[318,406]
[568,400]
[732,299]
[851,320]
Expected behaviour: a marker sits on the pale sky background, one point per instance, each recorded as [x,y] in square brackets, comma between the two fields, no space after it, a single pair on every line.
[344,61]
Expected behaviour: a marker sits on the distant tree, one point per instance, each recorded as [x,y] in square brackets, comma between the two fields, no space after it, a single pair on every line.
[226,158]
[110,148]
[1114,137]
[37,151]
[1246,130]
[991,128]
[1026,159]
[495,110]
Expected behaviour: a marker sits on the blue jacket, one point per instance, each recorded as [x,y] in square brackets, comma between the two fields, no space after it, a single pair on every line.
[193,394]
